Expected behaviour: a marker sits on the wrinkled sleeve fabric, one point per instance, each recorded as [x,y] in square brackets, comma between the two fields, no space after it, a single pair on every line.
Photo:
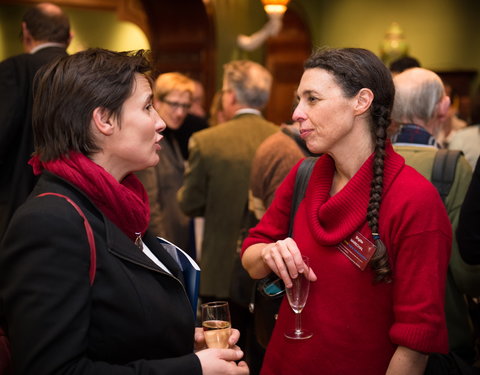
[419,242]
[419,293]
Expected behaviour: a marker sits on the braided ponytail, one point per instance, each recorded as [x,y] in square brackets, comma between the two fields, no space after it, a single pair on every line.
[379,262]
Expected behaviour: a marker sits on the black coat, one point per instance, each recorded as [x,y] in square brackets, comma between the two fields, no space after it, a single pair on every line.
[16,140]
[134,319]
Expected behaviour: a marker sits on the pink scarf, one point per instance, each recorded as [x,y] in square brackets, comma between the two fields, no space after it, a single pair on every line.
[125,204]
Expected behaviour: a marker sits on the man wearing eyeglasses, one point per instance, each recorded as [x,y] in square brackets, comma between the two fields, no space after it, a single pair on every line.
[217,177]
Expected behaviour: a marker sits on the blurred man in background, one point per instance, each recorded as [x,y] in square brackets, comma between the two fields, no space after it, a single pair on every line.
[45,35]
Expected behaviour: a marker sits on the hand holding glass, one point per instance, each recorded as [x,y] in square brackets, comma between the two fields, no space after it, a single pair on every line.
[216,324]
[297,298]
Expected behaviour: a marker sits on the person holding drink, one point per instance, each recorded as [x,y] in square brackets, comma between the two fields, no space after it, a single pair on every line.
[94,125]
[375,231]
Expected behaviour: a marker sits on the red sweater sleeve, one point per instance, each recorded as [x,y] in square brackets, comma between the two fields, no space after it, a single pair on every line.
[419,242]
[419,294]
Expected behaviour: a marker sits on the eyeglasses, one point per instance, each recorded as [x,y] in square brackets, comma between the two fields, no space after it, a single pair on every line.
[177,105]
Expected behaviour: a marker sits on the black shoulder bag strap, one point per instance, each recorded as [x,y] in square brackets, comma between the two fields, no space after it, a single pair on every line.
[301,183]
[443,171]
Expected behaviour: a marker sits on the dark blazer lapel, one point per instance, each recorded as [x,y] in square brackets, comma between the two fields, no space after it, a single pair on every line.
[162,255]
[121,246]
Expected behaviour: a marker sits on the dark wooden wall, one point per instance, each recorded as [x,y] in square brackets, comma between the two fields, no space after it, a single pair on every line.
[182,38]
[285,55]
[461,81]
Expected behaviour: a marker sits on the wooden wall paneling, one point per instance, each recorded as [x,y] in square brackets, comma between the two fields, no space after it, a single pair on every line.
[182,39]
[461,81]
[90,4]
[285,55]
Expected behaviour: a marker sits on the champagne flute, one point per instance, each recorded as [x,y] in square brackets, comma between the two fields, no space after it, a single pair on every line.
[216,324]
[297,298]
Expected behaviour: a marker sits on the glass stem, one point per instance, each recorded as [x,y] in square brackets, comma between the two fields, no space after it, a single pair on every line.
[298,322]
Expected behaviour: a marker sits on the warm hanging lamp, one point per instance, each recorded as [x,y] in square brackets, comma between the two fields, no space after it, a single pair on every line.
[275,6]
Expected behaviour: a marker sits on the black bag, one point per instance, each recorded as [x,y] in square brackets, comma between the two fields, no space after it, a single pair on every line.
[268,295]
[268,292]
[448,364]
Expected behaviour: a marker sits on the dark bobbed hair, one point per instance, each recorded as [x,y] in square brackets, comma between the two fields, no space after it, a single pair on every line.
[47,23]
[67,91]
[354,69]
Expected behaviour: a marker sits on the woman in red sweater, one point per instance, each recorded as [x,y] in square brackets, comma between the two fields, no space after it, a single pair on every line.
[385,313]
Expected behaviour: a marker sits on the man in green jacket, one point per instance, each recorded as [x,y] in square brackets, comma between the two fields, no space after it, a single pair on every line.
[420,107]
[217,176]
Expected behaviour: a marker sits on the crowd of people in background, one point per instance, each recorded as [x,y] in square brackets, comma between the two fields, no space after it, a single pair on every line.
[99,159]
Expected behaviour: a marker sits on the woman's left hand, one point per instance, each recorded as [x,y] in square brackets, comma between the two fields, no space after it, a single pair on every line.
[285,259]
[200,343]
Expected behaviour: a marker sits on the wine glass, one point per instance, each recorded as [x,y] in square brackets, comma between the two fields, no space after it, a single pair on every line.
[297,298]
[216,324]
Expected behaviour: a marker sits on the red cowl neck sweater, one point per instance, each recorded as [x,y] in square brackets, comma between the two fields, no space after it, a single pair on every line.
[357,324]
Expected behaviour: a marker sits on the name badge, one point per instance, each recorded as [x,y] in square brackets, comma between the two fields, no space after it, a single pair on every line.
[358,249]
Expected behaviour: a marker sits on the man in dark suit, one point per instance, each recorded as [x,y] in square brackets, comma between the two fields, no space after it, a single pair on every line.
[45,36]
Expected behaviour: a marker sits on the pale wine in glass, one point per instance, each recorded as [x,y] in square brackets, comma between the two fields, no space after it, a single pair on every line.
[216,324]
